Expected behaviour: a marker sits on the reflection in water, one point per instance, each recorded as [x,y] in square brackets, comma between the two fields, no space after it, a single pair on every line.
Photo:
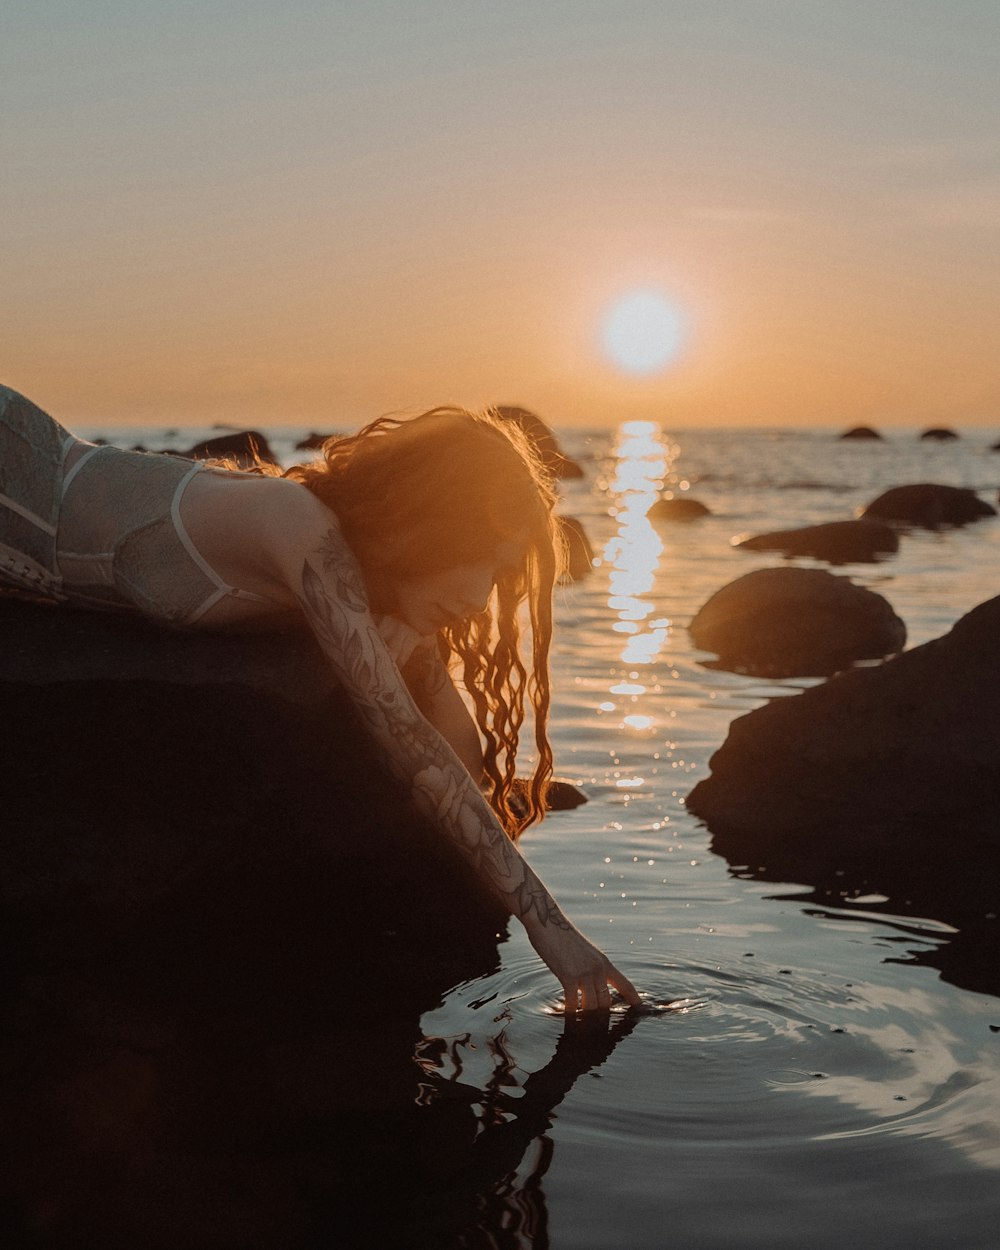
[504,1167]
[642,463]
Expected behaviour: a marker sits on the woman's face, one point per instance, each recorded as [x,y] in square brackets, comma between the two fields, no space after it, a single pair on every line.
[428,602]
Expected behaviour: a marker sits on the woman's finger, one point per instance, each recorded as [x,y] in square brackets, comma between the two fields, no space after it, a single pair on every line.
[624,987]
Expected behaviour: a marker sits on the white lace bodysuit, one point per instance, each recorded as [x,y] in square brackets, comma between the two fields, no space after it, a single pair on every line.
[106,534]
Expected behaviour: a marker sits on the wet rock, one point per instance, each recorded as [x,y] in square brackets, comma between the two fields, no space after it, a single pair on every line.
[929,505]
[938,434]
[555,459]
[246,447]
[680,509]
[579,552]
[882,779]
[793,622]
[838,542]
[861,432]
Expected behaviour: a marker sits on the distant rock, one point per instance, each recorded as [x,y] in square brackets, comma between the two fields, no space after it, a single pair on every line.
[929,505]
[555,459]
[837,542]
[938,434]
[579,552]
[679,509]
[312,442]
[245,447]
[862,432]
[793,622]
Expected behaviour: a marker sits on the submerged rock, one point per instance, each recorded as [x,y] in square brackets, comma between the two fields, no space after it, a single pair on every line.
[838,542]
[678,510]
[929,505]
[792,622]
[938,434]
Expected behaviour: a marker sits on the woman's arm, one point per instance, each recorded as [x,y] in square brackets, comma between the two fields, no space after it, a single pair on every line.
[312,559]
[433,690]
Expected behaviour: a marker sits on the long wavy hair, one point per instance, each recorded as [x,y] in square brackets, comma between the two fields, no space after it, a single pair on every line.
[446,488]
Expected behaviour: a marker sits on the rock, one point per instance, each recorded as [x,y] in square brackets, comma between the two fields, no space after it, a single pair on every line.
[838,542]
[861,432]
[792,622]
[579,552]
[556,461]
[246,448]
[217,788]
[938,434]
[223,927]
[880,780]
[680,509]
[312,442]
[929,505]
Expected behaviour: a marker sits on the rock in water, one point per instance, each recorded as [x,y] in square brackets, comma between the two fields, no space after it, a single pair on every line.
[246,447]
[883,780]
[792,622]
[837,542]
[929,505]
[678,510]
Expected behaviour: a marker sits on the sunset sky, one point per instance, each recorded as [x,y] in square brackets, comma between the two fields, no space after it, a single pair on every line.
[312,212]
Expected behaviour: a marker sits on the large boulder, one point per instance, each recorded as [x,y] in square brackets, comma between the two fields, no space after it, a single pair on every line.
[928,505]
[938,434]
[222,784]
[881,780]
[792,622]
[837,542]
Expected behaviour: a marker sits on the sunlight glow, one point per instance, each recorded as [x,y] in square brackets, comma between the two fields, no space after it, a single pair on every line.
[643,332]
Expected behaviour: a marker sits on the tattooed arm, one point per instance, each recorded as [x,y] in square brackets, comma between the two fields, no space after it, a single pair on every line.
[313,561]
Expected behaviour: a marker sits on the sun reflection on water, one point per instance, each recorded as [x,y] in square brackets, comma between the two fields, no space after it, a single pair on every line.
[642,461]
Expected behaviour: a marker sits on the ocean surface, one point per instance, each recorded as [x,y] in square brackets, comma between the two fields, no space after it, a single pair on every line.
[806,1076]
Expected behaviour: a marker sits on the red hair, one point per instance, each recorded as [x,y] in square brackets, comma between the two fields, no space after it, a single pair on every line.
[448,488]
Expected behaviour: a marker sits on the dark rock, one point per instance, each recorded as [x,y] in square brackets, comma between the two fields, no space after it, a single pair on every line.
[219,783]
[558,463]
[861,432]
[881,780]
[929,505]
[938,434]
[793,622]
[312,442]
[681,509]
[579,552]
[838,542]
[246,448]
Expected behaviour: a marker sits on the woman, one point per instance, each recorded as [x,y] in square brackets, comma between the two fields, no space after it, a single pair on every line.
[410,543]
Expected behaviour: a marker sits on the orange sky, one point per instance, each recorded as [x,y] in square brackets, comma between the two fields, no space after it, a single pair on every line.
[296,214]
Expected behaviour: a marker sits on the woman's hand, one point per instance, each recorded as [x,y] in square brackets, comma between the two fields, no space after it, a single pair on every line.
[582,970]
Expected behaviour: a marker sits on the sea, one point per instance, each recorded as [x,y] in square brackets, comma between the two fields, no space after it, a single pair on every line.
[803,1074]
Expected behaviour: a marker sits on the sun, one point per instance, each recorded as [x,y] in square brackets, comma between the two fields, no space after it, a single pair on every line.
[643,331]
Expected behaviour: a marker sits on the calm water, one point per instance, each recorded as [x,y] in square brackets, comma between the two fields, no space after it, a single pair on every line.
[808,1078]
